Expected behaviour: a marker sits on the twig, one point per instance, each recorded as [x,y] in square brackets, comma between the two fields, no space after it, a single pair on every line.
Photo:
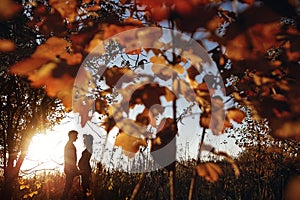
[94,130]
[171,182]
[137,186]
[194,178]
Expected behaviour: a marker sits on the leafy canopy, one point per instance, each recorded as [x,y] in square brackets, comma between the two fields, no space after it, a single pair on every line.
[255,46]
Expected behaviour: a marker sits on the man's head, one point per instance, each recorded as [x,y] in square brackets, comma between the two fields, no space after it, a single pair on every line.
[73,135]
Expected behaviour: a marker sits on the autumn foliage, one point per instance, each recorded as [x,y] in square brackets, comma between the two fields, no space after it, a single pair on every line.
[108,57]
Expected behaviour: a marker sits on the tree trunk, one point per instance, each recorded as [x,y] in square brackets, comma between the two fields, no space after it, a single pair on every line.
[7,190]
[12,171]
[9,184]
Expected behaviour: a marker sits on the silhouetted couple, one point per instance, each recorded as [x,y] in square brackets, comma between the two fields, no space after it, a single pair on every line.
[70,164]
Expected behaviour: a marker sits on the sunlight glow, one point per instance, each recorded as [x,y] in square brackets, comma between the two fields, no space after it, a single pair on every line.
[44,147]
[45,152]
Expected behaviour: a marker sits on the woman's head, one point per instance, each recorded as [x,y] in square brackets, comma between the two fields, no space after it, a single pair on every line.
[88,141]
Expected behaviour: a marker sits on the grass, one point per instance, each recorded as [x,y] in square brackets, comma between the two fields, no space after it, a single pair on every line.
[116,185]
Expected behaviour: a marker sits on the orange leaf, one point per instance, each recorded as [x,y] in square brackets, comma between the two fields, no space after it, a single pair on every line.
[86,1]
[8,8]
[191,55]
[215,119]
[215,123]
[210,171]
[129,143]
[143,117]
[66,8]
[183,88]
[192,72]
[60,87]
[108,124]
[229,159]
[292,49]
[91,8]
[297,137]
[132,21]
[178,68]
[50,23]
[286,128]
[52,48]
[83,108]
[158,60]
[148,95]
[202,87]
[7,45]
[162,71]
[170,96]
[72,59]
[100,106]
[236,115]
[198,11]
[80,40]
[96,42]
[129,40]
[131,126]
[149,36]
[262,37]
[205,121]
[148,116]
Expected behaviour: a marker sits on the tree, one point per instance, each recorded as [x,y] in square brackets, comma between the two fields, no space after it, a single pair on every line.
[263,158]
[263,172]
[256,55]
[25,111]
[254,136]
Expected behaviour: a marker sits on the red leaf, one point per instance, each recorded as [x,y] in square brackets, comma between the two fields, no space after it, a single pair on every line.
[115,76]
[148,95]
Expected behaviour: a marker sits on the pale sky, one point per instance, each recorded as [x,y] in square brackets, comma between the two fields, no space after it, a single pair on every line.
[46,150]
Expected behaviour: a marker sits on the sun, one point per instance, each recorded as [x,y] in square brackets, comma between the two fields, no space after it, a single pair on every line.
[45,152]
[44,146]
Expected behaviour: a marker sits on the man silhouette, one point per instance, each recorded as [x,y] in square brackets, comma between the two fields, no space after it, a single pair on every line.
[70,167]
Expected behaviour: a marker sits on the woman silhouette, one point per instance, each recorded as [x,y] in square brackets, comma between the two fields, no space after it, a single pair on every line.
[84,164]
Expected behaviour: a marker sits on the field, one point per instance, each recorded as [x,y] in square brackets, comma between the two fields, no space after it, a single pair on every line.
[259,183]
